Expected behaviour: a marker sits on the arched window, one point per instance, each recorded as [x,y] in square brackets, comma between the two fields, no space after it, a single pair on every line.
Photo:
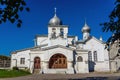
[79,59]
[53,32]
[89,56]
[95,55]
[61,32]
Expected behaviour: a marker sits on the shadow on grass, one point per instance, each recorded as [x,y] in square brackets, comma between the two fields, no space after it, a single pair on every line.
[91,78]
[98,78]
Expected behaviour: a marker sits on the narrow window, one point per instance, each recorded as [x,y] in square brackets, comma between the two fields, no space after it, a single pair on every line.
[95,55]
[61,32]
[89,56]
[22,61]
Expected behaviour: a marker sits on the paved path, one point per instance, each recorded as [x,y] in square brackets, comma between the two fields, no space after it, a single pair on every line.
[91,76]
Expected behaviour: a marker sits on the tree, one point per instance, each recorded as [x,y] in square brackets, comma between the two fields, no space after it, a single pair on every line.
[3,57]
[114,23]
[9,11]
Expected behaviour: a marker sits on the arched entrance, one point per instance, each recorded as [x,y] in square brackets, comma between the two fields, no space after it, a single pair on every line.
[58,61]
[37,63]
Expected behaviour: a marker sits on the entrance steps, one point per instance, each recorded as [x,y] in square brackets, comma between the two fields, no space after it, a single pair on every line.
[36,71]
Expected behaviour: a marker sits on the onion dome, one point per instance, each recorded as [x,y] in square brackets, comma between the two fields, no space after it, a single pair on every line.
[55,20]
[85,28]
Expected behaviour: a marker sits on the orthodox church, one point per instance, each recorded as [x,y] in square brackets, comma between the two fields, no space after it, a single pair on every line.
[58,52]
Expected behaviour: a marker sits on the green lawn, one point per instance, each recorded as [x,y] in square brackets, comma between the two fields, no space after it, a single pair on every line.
[12,73]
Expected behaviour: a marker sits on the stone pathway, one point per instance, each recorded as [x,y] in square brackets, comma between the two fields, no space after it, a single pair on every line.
[91,76]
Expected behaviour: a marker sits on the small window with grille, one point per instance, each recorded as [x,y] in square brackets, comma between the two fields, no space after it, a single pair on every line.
[22,60]
[89,56]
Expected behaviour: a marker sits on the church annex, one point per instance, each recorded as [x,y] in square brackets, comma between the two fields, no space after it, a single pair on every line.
[57,52]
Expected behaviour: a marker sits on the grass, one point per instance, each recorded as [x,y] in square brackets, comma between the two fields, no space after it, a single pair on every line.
[12,73]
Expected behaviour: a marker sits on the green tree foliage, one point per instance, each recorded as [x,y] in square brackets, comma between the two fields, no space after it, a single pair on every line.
[10,9]
[113,25]
[2,57]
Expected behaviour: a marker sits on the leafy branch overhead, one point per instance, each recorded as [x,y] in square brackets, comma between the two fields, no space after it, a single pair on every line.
[9,11]
[114,23]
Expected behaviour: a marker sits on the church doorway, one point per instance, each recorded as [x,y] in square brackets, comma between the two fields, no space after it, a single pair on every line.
[37,63]
[58,61]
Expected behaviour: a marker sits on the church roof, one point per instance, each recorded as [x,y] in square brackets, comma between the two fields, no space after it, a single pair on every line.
[56,46]
[45,35]
[14,52]
[58,26]
[92,37]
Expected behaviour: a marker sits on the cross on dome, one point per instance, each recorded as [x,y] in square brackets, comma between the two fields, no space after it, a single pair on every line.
[55,10]
[55,20]
[85,28]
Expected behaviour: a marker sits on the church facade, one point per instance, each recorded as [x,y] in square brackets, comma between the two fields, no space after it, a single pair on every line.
[57,52]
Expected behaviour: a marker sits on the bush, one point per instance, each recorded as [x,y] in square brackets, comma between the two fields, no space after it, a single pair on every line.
[15,68]
[12,73]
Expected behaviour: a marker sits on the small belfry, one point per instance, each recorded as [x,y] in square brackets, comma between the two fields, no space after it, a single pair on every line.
[55,27]
[86,31]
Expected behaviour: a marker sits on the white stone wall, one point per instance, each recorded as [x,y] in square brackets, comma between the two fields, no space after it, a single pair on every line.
[45,57]
[102,63]
[58,41]
[82,66]
[102,66]
[93,45]
[15,59]
[42,40]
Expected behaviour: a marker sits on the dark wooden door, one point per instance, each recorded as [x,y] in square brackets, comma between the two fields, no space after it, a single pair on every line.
[37,63]
[58,61]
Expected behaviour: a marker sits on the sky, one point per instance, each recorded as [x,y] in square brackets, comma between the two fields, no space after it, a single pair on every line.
[71,12]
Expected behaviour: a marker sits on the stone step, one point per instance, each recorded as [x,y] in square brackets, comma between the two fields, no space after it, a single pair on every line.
[36,71]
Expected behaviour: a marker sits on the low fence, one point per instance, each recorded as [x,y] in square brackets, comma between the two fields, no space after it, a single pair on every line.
[5,63]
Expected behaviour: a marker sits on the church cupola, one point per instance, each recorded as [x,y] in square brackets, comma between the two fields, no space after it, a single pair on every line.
[86,28]
[56,29]
[55,20]
[86,31]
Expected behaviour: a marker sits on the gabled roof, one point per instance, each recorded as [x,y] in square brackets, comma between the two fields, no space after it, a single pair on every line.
[97,40]
[57,46]
[14,52]
[45,35]
[57,25]
[81,50]
[80,41]
[41,35]
[92,37]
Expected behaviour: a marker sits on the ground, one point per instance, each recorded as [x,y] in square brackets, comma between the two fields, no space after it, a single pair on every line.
[91,76]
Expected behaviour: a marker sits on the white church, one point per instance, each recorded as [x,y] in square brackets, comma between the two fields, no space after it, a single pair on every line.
[57,52]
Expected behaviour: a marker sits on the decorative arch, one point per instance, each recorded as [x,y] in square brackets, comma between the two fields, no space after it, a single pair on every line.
[58,61]
[37,63]
[79,59]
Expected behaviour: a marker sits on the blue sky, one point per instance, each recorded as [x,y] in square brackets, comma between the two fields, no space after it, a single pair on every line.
[71,12]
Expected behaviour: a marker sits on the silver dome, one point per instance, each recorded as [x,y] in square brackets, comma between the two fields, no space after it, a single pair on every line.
[55,21]
[86,28]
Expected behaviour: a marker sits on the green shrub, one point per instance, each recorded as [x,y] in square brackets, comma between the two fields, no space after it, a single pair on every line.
[15,68]
[12,73]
